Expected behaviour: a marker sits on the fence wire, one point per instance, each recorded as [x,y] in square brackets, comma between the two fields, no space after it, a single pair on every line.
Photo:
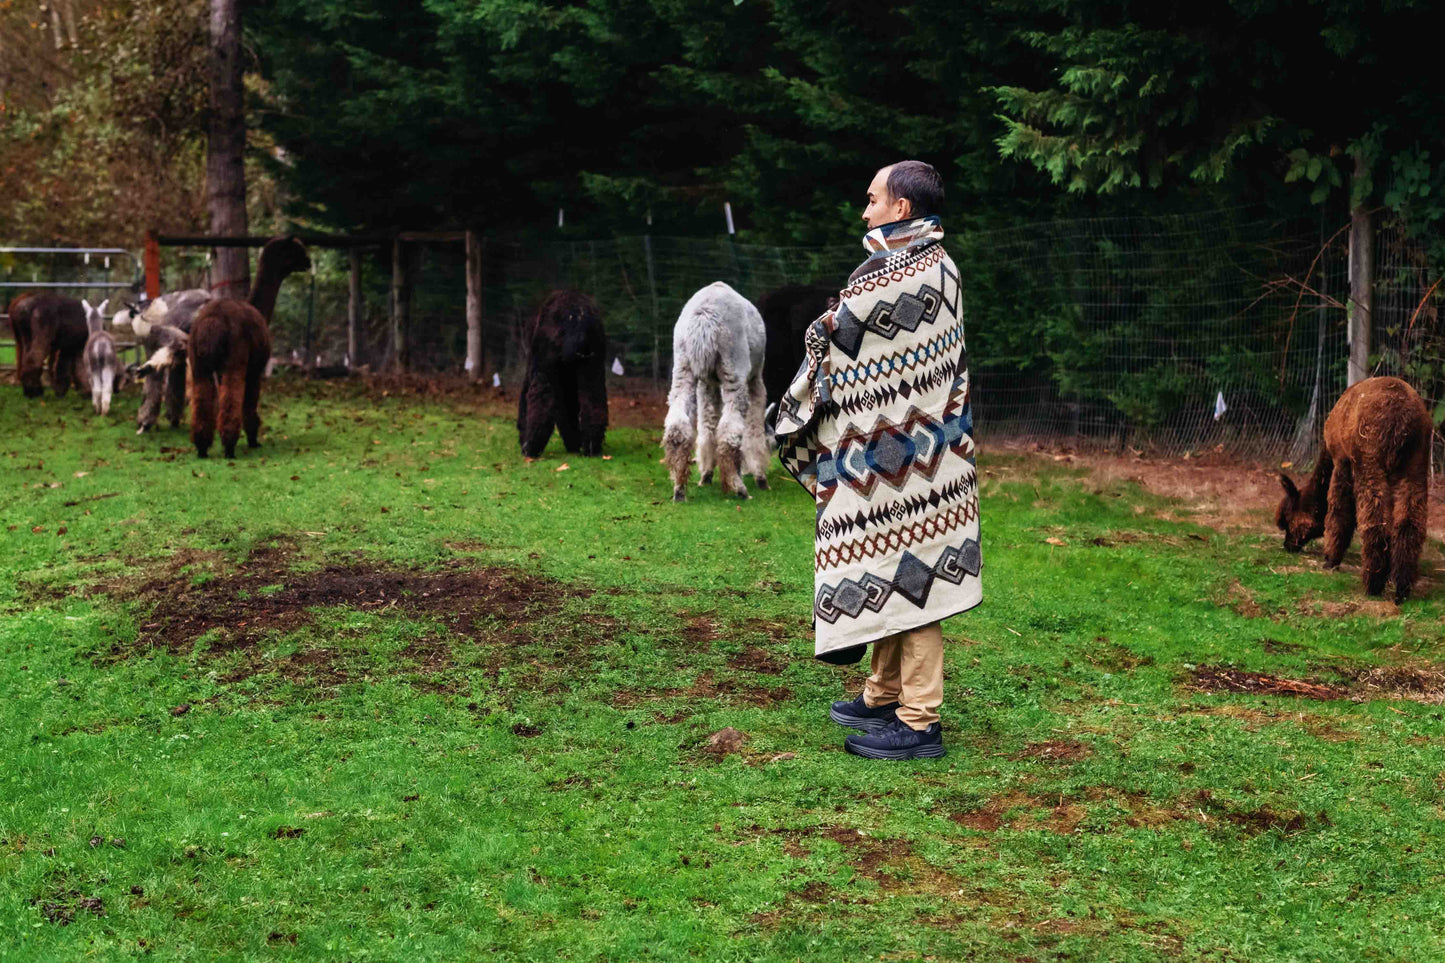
[1215,331]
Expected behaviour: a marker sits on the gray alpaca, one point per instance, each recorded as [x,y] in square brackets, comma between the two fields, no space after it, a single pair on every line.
[99,363]
[164,328]
[717,366]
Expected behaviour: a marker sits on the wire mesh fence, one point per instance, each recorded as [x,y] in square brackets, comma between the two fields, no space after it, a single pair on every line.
[1216,331]
[1211,331]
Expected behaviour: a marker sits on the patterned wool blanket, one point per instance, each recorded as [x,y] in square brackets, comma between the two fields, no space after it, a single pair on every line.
[877,426]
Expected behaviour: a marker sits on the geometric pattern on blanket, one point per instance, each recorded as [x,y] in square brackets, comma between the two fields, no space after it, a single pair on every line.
[912,580]
[878,427]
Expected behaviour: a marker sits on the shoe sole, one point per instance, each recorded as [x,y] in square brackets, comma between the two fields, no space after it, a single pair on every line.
[922,752]
[854,722]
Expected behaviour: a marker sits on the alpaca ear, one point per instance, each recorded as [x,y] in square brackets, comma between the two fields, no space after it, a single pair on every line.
[1288,486]
[101,309]
[88,309]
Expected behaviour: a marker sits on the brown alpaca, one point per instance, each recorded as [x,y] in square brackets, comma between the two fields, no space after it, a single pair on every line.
[50,332]
[1374,473]
[229,345]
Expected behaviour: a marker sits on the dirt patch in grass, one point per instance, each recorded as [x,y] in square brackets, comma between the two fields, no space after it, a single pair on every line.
[1208,678]
[754,659]
[1113,657]
[238,615]
[1108,807]
[1241,600]
[705,686]
[1414,681]
[1054,750]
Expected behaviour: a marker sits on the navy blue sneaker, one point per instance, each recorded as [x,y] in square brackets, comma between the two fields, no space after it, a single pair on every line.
[859,715]
[898,741]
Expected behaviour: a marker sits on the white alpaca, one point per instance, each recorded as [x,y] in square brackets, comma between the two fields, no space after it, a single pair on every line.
[100,363]
[717,366]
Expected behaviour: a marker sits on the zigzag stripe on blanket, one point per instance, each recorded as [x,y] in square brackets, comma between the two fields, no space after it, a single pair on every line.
[890,464]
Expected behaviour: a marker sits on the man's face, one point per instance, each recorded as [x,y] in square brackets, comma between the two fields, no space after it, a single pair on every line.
[884,208]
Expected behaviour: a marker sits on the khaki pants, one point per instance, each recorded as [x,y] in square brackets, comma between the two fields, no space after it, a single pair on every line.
[908,669]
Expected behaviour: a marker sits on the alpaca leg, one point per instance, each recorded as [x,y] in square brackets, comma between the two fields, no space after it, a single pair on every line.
[156,384]
[203,412]
[755,444]
[731,430]
[1411,512]
[680,428]
[232,395]
[709,409]
[535,415]
[565,390]
[175,389]
[1340,516]
[101,387]
[250,405]
[592,405]
[1372,505]
[60,373]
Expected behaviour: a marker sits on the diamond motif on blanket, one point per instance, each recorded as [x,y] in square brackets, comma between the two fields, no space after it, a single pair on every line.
[847,331]
[913,579]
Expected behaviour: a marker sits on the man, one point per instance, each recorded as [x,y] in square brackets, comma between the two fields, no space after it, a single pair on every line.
[877,426]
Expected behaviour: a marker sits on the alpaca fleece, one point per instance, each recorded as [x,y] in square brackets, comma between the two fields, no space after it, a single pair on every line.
[566,381]
[164,327]
[717,395]
[878,427]
[1374,475]
[228,348]
[50,332]
[787,312]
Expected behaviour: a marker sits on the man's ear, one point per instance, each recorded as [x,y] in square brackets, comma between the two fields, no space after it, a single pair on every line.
[905,209]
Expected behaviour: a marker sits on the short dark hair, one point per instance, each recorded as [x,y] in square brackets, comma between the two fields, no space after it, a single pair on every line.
[918,182]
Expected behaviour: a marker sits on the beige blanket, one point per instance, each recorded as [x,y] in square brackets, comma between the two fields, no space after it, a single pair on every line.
[877,426]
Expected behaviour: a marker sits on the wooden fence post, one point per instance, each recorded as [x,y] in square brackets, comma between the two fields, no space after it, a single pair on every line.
[474,308]
[354,311]
[400,356]
[1361,304]
[152,260]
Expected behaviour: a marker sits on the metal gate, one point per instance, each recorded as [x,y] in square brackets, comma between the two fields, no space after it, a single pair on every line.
[93,272]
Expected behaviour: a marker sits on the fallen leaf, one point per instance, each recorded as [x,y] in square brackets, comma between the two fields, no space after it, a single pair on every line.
[1286,464]
[81,474]
[563,467]
[726,740]
[606,457]
[1054,541]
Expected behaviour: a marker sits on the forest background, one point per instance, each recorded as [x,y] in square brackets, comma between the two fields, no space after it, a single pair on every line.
[646,116]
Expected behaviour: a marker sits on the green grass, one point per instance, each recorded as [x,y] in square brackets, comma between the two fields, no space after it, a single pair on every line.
[524,775]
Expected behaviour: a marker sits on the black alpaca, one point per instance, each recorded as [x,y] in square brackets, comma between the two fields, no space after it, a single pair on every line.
[787,311]
[566,384]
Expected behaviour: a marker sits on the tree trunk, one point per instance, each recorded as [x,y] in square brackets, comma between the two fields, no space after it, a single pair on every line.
[56,30]
[474,308]
[225,158]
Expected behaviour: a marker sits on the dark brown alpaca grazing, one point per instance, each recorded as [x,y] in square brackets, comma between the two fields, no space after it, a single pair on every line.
[229,345]
[1374,474]
[566,380]
[50,332]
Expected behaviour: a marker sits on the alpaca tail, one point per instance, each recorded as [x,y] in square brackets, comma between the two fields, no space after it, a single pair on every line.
[210,346]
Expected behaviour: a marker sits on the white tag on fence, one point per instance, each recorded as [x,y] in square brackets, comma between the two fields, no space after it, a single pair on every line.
[468,365]
[617,366]
[1219,406]
[496,380]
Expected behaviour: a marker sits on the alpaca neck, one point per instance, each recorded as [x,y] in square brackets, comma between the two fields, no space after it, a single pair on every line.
[1314,496]
[266,287]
